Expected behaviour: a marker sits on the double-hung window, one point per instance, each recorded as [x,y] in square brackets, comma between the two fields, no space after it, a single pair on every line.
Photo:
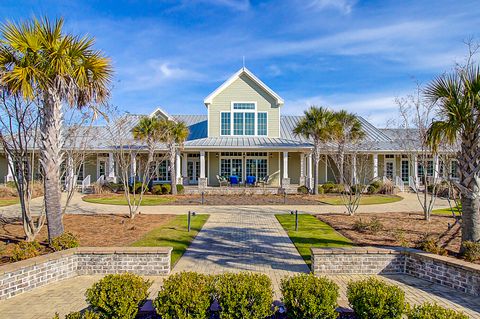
[225,123]
[238,119]
[262,123]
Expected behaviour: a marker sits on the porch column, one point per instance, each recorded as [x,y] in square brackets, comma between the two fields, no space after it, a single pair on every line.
[184,169]
[436,167]
[415,170]
[326,168]
[111,168]
[202,181]
[177,168]
[302,169]
[309,171]
[9,176]
[375,166]
[354,168]
[285,179]
[133,165]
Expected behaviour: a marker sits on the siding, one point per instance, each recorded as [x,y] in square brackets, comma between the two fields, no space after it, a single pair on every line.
[294,167]
[3,167]
[244,89]
[214,169]
[274,169]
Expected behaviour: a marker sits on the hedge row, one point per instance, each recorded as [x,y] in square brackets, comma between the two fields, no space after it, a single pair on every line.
[190,295]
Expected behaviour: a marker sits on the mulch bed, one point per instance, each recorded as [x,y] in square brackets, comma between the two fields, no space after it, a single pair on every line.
[241,199]
[91,230]
[399,229]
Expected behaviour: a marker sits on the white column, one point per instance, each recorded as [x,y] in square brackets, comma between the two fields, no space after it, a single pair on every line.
[285,164]
[375,165]
[310,170]
[10,169]
[415,170]
[326,168]
[202,164]
[177,166]
[184,166]
[436,166]
[354,168]
[302,165]
[133,165]
[111,166]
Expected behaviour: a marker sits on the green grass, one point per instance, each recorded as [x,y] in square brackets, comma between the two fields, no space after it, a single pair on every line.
[174,234]
[148,200]
[311,233]
[8,201]
[364,200]
[446,211]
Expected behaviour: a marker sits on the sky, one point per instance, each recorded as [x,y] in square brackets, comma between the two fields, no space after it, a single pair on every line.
[344,54]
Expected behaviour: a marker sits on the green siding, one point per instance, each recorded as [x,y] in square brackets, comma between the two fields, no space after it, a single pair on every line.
[214,169]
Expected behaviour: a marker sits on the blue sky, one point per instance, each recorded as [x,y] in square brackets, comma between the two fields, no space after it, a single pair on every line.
[357,55]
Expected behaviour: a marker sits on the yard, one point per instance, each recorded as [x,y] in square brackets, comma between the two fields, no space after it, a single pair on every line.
[119,199]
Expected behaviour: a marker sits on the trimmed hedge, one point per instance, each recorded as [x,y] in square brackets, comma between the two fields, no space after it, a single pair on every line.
[373,298]
[433,311]
[166,189]
[25,250]
[118,296]
[79,315]
[243,295]
[180,189]
[65,241]
[302,190]
[309,297]
[185,295]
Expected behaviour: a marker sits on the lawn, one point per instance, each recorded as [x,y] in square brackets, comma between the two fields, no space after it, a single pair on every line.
[112,199]
[311,233]
[364,200]
[8,201]
[174,234]
[447,211]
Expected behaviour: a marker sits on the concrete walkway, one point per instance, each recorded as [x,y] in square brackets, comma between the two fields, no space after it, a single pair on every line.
[409,204]
[232,242]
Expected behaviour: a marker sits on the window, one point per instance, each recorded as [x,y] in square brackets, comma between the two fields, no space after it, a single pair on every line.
[262,123]
[237,123]
[225,123]
[454,169]
[249,123]
[163,171]
[257,168]
[244,106]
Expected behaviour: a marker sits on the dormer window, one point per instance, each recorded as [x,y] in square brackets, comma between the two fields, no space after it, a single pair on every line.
[243,120]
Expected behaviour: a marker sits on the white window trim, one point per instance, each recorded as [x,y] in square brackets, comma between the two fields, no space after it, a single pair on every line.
[256,123]
[232,110]
[389,160]
[101,159]
[231,128]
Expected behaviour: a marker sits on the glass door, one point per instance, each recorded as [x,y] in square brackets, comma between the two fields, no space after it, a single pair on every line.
[193,171]
[405,170]
[389,170]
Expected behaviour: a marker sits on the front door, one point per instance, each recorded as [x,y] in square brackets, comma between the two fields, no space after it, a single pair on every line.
[193,171]
[389,170]
[405,170]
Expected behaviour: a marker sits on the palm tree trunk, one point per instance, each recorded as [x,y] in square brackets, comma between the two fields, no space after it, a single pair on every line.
[50,151]
[173,170]
[471,218]
[316,160]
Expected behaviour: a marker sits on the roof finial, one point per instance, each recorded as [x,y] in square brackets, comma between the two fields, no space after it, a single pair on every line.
[243,62]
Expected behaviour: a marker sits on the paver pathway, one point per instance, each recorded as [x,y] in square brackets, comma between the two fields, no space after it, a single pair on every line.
[243,242]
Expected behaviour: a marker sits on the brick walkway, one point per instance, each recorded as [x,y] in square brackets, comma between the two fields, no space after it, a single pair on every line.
[243,242]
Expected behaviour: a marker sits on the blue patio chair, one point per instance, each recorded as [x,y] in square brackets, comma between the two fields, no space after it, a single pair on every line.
[250,180]
[234,180]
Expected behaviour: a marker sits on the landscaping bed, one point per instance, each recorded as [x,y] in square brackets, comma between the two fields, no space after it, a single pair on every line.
[91,230]
[119,199]
[397,229]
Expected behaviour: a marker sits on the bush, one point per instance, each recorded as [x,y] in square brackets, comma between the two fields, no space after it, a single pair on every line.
[166,189]
[137,187]
[307,296]
[433,311]
[387,188]
[25,249]
[373,226]
[330,187]
[321,190]
[184,295]
[65,241]
[79,315]
[157,190]
[374,299]
[302,190]
[430,244]
[375,187]
[180,189]
[115,187]
[118,296]
[7,192]
[471,251]
[243,295]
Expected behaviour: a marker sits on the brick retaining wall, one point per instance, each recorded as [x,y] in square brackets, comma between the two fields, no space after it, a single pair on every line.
[25,275]
[446,271]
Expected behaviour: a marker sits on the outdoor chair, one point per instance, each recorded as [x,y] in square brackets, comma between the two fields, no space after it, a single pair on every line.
[234,180]
[222,181]
[250,181]
[263,181]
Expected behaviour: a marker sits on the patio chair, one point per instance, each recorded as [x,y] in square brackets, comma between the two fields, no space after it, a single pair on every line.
[263,181]
[234,180]
[222,181]
[250,181]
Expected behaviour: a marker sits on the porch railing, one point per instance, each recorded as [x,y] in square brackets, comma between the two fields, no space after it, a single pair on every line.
[399,183]
[86,183]
[412,183]
[101,180]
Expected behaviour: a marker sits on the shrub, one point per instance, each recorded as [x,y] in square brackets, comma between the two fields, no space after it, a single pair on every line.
[118,296]
[307,296]
[321,190]
[184,295]
[375,187]
[180,189]
[302,189]
[360,226]
[79,315]
[433,311]
[137,187]
[243,295]
[65,241]
[25,249]
[430,244]
[387,188]
[471,251]
[6,192]
[115,187]
[373,226]
[166,189]
[11,184]
[157,190]
[372,298]
[330,187]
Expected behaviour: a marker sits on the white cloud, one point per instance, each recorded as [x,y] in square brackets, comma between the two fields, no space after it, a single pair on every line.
[344,6]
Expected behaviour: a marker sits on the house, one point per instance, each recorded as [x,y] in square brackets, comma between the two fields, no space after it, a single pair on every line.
[244,133]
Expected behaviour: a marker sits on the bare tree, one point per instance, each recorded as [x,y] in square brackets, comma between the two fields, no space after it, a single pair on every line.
[19,135]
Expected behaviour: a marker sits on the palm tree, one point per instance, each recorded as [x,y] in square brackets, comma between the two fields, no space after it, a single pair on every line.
[37,59]
[174,134]
[346,129]
[457,96]
[148,130]
[315,125]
